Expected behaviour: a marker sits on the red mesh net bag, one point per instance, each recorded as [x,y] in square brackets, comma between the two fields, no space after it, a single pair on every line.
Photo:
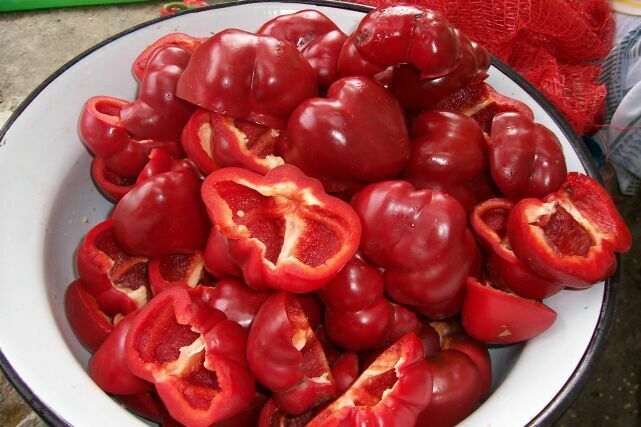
[555,44]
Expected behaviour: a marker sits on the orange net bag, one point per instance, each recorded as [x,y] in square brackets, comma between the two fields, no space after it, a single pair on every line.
[555,44]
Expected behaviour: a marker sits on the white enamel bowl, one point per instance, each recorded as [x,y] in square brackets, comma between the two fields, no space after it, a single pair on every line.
[48,202]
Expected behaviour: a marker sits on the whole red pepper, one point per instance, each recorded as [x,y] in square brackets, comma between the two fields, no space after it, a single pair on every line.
[356,134]
[89,324]
[174,39]
[193,355]
[247,76]
[526,158]
[282,230]
[392,391]
[572,235]
[421,239]
[286,357]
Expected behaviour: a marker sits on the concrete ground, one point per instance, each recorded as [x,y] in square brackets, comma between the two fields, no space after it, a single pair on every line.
[35,44]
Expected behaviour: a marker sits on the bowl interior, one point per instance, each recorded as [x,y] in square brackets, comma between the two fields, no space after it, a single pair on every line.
[50,203]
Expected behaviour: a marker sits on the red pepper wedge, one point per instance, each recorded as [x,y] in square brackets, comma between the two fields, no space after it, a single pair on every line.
[497,317]
[247,76]
[489,222]
[392,391]
[161,161]
[146,405]
[286,357]
[282,230]
[272,416]
[238,301]
[526,158]
[193,355]
[174,39]
[184,270]
[112,185]
[572,235]
[89,324]
[116,280]
[196,140]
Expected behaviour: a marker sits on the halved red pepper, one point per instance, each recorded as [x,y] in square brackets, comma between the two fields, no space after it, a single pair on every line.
[572,235]
[116,280]
[147,405]
[286,357]
[239,302]
[174,39]
[299,28]
[247,76]
[196,140]
[161,161]
[392,391]
[497,317]
[489,222]
[193,355]
[218,261]
[89,324]
[272,416]
[184,270]
[112,185]
[281,229]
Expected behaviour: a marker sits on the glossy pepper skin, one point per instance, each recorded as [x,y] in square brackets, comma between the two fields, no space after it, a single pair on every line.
[356,134]
[461,370]
[417,36]
[351,63]
[247,76]
[572,235]
[392,391]
[489,222]
[161,216]
[497,317]
[449,152]
[182,40]
[420,238]
[239,302]
[194,357]
[322,54]
[299,28]
[196,140]
[358,316]
[282,230]
[89,324]
[158,113]
[526,158]
[286,357]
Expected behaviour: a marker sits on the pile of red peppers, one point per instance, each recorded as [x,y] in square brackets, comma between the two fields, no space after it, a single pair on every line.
[324,229]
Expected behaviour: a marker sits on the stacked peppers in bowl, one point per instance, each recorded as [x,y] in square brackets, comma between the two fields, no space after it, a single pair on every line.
[316,228]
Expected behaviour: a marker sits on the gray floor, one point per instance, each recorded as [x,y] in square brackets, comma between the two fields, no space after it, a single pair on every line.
[34,44]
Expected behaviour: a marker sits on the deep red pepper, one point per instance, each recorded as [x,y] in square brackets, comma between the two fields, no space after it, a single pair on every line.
[184,270]
[489,222]
[421,239]
[239,302]
[345,370]
[146,405]
[356,134]
[196,140]
[110,184]
[218,261]
[496,317]
[572,235]
[174,39]
[351,62]
[193,355]
[272,416]
[286,357]
[421,37]
[322,54]
[161,161]
[89,324]
[282,230]
[392,391]
[116,280]
[247,76]
[161,216]
[299,28]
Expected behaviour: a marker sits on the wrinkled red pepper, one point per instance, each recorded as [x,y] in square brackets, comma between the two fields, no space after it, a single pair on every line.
[286,357]
[421,239]
[247,76]
[174,39]
[496,317]
[489,222]
[392,391]
[282,230]
[572,235]
[193,355]
[89,324]
[526,158]
[356,134]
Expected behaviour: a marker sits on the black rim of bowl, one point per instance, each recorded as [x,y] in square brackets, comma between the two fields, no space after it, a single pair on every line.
[570,389]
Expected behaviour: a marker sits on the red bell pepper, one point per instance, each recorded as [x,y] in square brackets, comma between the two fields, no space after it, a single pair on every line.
[351,63]
[392,391]
[286,357]
[571,235]
[322,54]
[158,113]
[489,222]
[282,230]
[247,76]
[239,302]
[496,317]
[358,316]
[89,324]
[161,216]
[421,239]
[116,280]
[184,270]
[110,184]
[250,416]
[461,370]
[147,405]
[449,151]
[417,36]
[218,261]
[196,140]
[272,416]
[526,158]
[299,28]
[174,39]
[356,134]
[194,356]
[108,368]
[345,370]
[161,161]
